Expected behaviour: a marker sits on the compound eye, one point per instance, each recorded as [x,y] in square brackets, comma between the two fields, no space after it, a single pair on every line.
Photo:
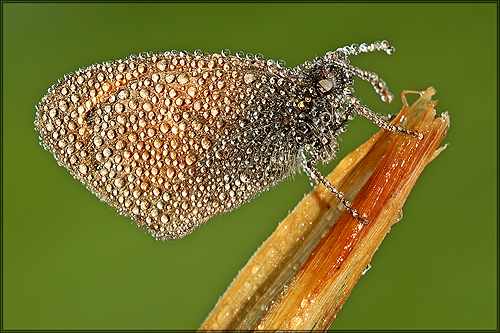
[326,85]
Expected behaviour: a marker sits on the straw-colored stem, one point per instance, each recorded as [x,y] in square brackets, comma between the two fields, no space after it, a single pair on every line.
[302,274]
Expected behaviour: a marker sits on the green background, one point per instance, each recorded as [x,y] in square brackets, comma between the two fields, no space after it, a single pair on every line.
[71,262]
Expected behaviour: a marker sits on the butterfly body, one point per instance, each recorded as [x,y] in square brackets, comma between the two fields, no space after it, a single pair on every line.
[172,139]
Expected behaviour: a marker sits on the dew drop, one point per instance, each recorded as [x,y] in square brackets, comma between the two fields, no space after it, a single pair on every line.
[190,159]
[183,79]
[123,94]
[256,268]
[111,134]
[170,172]
[119,182]
[133,137]
[295,321]
[249,78]
[205,143]
[98,141]
[191,91]
[159,87]
[169,78]
[107,152]
[223,314]
[120,144]
[63,105]
[367,268]
[83,168]
[164,127]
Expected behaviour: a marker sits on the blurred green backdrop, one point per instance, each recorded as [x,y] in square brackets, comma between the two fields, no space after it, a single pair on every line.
[71,262]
